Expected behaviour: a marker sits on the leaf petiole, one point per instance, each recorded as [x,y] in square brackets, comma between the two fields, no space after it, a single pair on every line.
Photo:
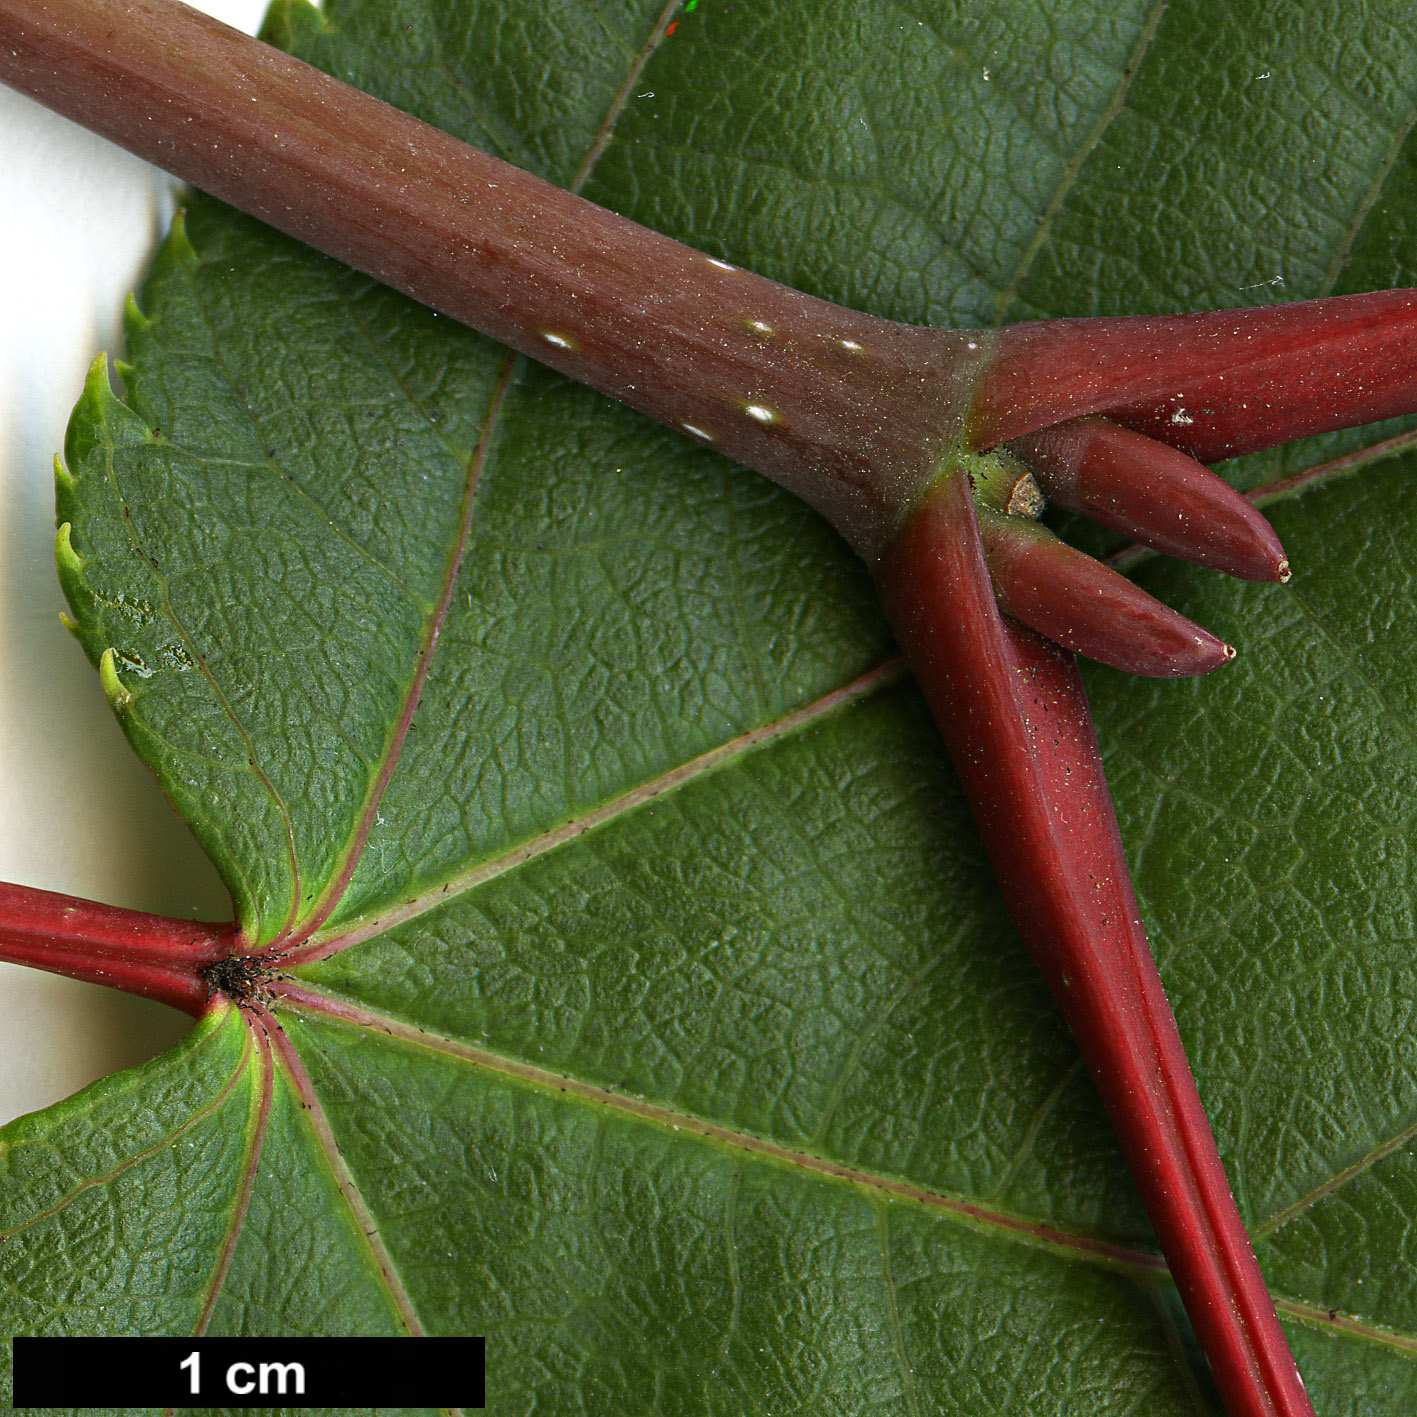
[150,955]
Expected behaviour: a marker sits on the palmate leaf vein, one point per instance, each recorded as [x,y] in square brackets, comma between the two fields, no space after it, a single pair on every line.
[1073,169]
[432,626]
[331,1008]
[481,872]
[383,771]
[347,1183]
[1369,199]
[258,1119]
[1143,1267]
[381,1261]
[380,769]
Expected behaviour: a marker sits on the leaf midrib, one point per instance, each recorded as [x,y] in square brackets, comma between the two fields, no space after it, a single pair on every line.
[327,1007]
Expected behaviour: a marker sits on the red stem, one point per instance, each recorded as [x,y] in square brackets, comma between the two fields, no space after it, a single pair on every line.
[152,955]
[1011,708]
[845,409]
[853,413]
[857,415]
[1215,384]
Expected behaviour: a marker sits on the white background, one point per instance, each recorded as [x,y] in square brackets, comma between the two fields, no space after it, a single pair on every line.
[78,812]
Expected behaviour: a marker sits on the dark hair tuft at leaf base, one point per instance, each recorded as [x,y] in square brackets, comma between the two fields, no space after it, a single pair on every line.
[241,978]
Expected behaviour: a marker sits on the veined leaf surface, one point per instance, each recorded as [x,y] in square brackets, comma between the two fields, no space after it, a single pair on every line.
[657,1014]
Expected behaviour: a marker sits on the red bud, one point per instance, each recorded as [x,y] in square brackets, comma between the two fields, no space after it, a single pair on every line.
[1155,495]
[1088,607]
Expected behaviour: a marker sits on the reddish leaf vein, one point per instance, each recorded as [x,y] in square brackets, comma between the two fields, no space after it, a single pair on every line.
[363,929]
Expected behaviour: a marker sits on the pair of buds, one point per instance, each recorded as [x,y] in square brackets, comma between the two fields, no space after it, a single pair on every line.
[1150,492]
[1114,417]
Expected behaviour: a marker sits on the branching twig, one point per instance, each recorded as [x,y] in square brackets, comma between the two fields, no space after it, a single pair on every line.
[896,434]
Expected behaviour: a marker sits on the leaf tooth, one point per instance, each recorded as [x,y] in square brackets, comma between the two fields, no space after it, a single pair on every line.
[64,480]
[178,245]
[96,406]
[70,563]
[120,699]
[101,422]
[70,566]
[135,322]
[98,388]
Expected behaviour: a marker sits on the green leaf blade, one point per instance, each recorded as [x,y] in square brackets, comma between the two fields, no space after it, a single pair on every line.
[592,1231]
[646,835]
[117,1205]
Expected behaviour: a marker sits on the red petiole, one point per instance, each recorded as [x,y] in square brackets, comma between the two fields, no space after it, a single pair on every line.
[908,439]
[1011,709]
[150,955]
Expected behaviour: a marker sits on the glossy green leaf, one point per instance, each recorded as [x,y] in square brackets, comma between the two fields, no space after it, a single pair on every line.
[661,1020]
